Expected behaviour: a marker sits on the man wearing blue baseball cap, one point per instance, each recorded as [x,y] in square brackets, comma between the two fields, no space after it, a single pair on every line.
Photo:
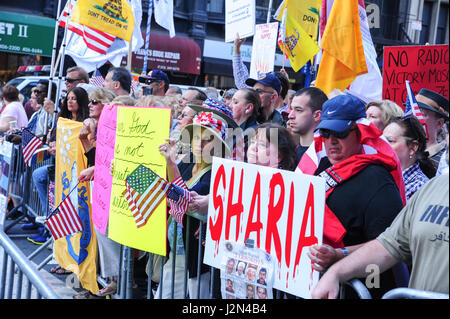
[157,81]
[363,182]
[268,87]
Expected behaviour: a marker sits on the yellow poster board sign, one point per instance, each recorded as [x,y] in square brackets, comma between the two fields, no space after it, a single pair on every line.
[76,252]
[140,131]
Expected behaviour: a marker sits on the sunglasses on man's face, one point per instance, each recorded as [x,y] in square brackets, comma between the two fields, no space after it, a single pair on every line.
[72,80]
[340,135]
[36,91]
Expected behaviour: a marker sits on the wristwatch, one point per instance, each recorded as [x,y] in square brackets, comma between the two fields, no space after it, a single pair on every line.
[344,251]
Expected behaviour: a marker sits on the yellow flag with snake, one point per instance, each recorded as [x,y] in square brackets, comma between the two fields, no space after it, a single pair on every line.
[76,252]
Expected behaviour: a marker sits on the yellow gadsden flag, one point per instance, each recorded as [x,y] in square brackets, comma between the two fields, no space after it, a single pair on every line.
[297,45]
[76,252]
[343,52]
[305,12]
[113,17]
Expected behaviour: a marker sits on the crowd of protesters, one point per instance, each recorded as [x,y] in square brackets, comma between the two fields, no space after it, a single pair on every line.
[390,169]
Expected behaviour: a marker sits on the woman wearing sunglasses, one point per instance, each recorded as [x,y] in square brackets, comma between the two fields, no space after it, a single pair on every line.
[407,137]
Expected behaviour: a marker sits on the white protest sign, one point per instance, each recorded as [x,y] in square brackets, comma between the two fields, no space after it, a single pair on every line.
[263,49]
[282,211]
[239,18]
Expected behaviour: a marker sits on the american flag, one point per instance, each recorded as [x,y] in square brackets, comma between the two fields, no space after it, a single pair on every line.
[64,220]
[144,192]
[179,197]
[412,108]
[97,79]
[95,39]
[30,143]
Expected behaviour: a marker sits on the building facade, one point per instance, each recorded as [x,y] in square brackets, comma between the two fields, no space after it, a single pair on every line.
[198,54]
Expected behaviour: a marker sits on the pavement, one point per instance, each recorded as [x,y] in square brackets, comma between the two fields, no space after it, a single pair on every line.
[65,285]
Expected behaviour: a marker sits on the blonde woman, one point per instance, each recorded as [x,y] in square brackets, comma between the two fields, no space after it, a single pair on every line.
[382,112]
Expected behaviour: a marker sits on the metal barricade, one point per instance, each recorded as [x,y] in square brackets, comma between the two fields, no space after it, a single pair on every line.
[12,284]
[21,188]
[410,293]
[125,281]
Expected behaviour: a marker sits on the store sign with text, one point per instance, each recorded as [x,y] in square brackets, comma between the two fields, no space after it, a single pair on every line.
[281,211]
[26,34]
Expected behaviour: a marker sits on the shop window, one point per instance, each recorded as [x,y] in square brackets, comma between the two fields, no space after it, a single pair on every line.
[442,24]
[215,6]
[426,20]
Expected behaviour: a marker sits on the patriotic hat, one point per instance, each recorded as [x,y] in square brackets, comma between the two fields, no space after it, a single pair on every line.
[433,101]
[210,121]
[340,112]
[220,110]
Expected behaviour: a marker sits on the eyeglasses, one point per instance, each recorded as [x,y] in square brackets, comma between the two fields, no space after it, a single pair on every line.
[36,91]
[94,102]
[340,135]
[72,80]
[260,91]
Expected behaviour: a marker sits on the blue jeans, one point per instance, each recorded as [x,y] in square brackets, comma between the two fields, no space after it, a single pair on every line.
[40,179]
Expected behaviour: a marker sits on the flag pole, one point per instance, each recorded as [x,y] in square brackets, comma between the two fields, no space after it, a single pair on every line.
[269,10]
[55,40]
[61,64]
[147,35]
[52,67]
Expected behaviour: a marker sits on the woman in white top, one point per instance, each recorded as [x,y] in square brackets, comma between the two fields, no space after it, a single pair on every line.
[12,109]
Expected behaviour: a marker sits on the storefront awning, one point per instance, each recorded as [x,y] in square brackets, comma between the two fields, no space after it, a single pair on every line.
[26,34]
[167,54]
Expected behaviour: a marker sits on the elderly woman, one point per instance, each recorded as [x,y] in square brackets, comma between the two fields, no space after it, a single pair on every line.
[207,135]
[380,113]
[407,137]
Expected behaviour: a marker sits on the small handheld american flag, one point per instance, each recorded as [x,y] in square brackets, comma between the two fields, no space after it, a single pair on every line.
[412,107]
[145,190]
[64,220]
[179,197]
[30,143]
[97,79]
